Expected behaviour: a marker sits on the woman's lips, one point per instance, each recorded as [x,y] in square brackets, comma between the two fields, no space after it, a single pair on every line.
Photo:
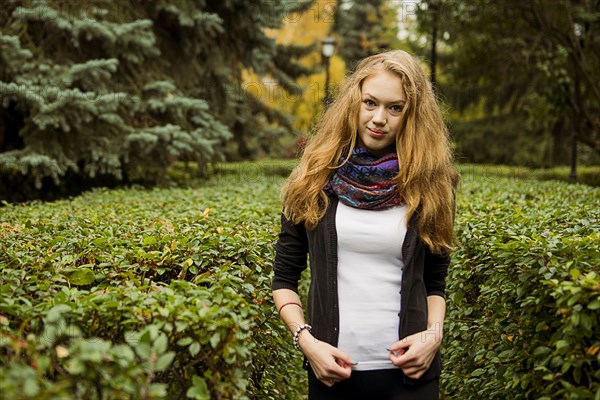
[376,134]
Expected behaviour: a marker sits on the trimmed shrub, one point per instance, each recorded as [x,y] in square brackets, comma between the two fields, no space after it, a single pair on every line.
[524,292]
[145,294]
[165,294]
[587,175]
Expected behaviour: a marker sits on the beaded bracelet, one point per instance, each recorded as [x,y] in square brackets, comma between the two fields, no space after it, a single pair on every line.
[297,334]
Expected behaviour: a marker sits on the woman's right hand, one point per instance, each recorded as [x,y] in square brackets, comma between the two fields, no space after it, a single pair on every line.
[329,364]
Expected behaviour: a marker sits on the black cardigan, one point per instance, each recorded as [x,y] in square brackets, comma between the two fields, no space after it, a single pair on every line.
[424,274]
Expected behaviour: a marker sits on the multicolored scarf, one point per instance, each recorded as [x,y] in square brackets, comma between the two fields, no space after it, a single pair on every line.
[366,181]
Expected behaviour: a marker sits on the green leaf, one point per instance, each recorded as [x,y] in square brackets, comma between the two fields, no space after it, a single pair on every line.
[82,277]
[573,299]
[56,312]
[586,323]
[99,241]
[31,388]
[123,351]
[198,390]
[561,344]
[574,273]
[594,304]
[161,343]
[215,340]
[143,350]
[158,390]
[541,351]
[164,361]
[194,348]
[132,338]
[184,341]
[75,366]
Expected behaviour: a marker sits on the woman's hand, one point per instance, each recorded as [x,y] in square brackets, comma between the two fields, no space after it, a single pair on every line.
[414,353]
[329,364]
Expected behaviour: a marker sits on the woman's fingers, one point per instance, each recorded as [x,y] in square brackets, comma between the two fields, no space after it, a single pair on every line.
[328,382]
[329,364]
[342,358]
[331,370]
[414,354]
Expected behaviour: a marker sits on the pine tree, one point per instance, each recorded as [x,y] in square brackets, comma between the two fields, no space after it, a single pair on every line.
[251,118]
[105,91]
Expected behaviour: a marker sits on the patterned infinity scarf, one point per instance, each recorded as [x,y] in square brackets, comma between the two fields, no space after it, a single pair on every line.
[366,181]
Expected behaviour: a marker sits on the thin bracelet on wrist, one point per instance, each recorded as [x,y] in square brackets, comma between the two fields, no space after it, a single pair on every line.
[287,304]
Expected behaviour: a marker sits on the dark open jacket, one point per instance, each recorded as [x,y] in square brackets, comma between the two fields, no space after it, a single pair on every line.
[424,274]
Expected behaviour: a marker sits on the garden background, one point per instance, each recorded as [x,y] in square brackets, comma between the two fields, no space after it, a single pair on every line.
[143,145]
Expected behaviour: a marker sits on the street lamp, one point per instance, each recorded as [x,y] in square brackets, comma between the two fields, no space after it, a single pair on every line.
[327,49]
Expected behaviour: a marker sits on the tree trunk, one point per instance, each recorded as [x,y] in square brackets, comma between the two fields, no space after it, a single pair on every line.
[561,144]
[244,151]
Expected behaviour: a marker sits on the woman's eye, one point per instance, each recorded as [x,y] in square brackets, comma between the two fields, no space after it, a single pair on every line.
[369,103]
[396,108]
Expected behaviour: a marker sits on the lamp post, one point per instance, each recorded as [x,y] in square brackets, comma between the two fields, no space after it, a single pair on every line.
[327,49]
[579,30]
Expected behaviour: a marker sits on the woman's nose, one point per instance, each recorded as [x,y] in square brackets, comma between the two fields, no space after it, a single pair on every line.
[379,117]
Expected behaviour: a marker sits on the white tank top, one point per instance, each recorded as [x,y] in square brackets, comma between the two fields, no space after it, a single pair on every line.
[369,281]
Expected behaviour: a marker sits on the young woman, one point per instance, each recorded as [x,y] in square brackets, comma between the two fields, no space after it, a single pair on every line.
[371,202]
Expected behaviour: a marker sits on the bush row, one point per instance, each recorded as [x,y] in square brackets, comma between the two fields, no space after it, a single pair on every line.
[586,174]
[165,294]
[524,292]
[145,294]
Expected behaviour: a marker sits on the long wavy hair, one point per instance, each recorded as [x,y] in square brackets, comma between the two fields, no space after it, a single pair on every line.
[427,176]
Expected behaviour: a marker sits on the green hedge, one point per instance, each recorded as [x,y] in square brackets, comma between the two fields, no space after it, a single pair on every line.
[145,294]
[586,174]
[524,292]
[139,294]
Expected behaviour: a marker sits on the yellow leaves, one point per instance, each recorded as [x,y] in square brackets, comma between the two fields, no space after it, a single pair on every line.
[61,351]
[7,229]
[307,28]
[161,223]
[207,211]
[593,349]
[168,249]
[303,29]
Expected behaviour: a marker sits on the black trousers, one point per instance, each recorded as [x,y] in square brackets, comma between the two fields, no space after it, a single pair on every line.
[385,384]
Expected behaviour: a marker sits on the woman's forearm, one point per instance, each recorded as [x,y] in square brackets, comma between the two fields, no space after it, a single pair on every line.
[292,314]
[436,310]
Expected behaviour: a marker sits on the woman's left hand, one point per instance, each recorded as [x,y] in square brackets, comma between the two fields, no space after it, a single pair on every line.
[414,353]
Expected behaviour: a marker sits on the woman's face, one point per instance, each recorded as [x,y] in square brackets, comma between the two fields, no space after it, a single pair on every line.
[383,99]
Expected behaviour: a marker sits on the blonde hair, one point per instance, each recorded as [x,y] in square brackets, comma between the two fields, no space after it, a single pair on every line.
[427,177]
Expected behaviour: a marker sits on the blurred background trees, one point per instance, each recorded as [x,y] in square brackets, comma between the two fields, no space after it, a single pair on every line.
[101,92]
[522,77]
[365,27]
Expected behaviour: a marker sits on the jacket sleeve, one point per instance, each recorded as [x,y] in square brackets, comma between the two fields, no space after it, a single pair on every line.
[436,266]
[291,251]
[434,275]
